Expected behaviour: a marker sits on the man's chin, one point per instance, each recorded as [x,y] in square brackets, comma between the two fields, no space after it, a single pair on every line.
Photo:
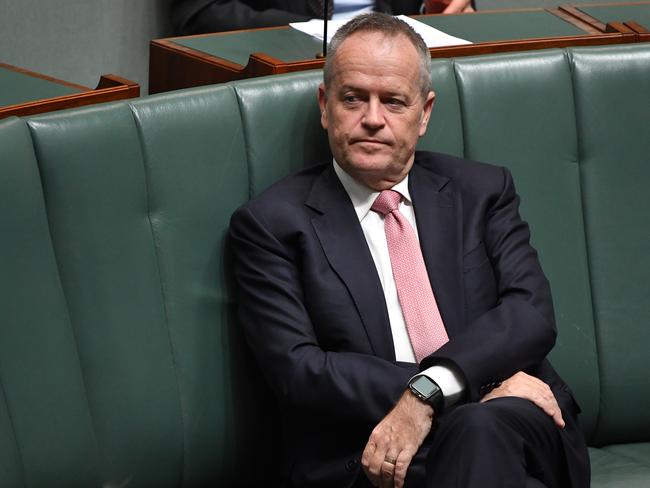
[370,162]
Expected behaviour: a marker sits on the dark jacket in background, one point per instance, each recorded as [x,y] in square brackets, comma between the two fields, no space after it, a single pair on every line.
[202,16]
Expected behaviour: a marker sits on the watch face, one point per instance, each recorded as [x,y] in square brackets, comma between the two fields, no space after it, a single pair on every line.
[425,386]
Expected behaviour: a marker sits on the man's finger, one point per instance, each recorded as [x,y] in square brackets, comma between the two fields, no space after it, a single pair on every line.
[369,462]
[387,475]
[402,465]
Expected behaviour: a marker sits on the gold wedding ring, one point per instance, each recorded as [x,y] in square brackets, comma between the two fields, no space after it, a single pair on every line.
[390,460]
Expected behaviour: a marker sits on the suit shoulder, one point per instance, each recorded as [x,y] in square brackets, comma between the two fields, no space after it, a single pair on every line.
[466,173]
[290,191]
[454,166]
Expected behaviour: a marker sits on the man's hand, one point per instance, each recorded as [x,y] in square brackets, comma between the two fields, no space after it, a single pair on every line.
[525,386]
[395,440]
[447,6]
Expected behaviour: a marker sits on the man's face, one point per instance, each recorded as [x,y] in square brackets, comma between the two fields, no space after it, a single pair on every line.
[373,110]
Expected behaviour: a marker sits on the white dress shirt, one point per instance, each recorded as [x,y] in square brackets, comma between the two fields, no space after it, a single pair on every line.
[450,382]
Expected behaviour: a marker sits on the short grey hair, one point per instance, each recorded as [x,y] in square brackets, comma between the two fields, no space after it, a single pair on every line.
[390,27]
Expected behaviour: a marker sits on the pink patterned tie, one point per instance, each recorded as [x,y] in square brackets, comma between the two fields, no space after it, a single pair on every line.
[421,314]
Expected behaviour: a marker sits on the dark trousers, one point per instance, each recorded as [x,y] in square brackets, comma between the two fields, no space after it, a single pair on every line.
[504,443]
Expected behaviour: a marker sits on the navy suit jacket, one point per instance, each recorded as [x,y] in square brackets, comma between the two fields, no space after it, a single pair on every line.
[314,313]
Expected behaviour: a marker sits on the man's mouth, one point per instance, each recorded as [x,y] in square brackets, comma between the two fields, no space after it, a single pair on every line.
[370,142]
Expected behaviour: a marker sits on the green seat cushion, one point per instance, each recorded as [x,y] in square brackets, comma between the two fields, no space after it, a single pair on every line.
[611,470]
[637,451]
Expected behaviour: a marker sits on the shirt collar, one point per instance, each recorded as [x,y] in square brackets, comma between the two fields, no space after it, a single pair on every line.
[363,197]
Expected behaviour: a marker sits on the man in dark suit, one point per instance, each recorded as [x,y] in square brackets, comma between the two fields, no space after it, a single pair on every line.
[368,398]
[202,16]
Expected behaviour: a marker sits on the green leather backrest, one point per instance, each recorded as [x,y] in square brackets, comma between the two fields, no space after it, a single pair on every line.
[282,133]
[120,360]
[612,99]
[197,175]
[46,430]
[95,186]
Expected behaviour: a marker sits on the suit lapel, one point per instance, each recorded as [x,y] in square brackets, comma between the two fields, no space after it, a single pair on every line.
[438,213]
[338,230]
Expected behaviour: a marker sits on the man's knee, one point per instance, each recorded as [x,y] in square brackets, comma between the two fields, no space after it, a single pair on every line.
[496,421]
[474,416]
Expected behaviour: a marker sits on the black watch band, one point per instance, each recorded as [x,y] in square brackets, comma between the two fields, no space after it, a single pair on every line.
[428,391]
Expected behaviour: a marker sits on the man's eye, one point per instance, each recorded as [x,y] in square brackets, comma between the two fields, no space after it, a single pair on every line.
[396,102]
[350,98]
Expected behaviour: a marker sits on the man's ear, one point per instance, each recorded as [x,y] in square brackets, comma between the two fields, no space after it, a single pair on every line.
[426,112]
[322,104]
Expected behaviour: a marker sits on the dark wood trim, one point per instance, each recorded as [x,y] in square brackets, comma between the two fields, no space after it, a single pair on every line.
[576,21]
[636,27]
[618,27]
[641,31]
[575,11]
[110,88]
[583,17]
[172,67]
[535,44]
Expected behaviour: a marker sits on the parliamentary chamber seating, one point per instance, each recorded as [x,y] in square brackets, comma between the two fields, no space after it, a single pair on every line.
[121,360]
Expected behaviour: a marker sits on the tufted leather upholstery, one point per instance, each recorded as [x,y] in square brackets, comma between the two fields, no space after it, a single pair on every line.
[120,359]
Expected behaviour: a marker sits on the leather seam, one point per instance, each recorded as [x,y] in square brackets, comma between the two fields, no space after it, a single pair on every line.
[249,169]
[163,290]
[13,430]
[585,224]
[73,329]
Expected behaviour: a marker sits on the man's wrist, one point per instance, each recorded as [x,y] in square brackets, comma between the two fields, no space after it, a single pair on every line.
[427,391]
[415,403]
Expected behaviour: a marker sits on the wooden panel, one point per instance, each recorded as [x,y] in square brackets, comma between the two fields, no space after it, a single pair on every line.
[587,13]
[110,88]
[174,66]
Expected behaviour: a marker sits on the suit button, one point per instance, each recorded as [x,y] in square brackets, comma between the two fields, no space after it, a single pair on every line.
[351,464]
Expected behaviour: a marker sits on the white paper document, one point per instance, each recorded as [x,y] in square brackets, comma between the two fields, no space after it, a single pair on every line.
[432,37]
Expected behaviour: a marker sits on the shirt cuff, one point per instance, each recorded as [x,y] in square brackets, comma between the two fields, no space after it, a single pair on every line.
[451,383]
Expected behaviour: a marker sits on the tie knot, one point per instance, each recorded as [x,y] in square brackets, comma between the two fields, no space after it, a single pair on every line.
[386,202]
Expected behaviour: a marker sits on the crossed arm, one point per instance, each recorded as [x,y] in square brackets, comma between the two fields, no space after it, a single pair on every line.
[520,321]
[397,438]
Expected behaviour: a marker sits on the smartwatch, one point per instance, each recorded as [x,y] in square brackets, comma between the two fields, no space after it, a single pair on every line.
[428,391]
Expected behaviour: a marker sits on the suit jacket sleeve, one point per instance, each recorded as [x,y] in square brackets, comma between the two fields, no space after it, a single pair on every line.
[508,305]
[352,385]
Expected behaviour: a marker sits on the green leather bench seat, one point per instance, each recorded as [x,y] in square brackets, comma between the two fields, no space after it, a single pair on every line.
[121,362]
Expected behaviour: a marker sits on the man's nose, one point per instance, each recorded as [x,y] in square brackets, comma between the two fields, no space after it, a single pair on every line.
[373,116]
